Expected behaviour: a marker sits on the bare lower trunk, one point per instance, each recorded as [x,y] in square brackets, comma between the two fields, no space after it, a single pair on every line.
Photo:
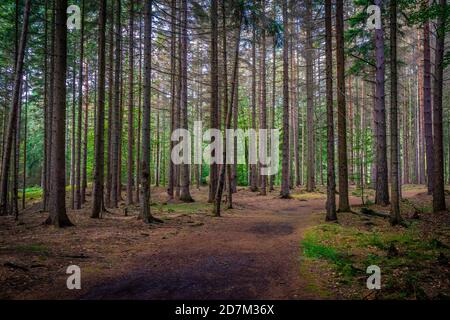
[130,159]
[381,185]
[427,106]
[344,204]
[331,182]
[12,123]
[438,187]
[226,167]
[285,150]
[395,217]
[213,174]
[145,161]
[310,172]
[97,204]
[57,214]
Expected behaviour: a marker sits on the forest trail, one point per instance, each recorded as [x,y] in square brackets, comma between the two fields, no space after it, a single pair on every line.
[252,253]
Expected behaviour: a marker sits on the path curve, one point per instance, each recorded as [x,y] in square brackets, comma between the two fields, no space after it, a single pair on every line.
[252,253]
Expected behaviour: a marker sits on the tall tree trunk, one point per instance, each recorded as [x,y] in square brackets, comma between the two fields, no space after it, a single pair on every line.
[272,117]
[185,194]
[130,160]
[138,144]
[85,138]
[285,150]
[406,119]
[58,216]
[73,131]
[395,217]
[213,173]
[253,167]
[145,161]
[427,106]
[12,122]
[351,130]
[382,193]
[110,104]
[234,173]
[46,112]
[170,189]
[25,141]
[420,118]
[226,167]
[310,182]
[331,182]
[438,186]
[115,114]
[344,204]
[263,120]
[78,200]
[158,146]
[15,162]
[97,204]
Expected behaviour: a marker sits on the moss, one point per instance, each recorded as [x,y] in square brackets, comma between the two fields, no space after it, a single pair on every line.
[308,196]
[32,193]
[350,250]
[32,248]
[314,286]
[184,208]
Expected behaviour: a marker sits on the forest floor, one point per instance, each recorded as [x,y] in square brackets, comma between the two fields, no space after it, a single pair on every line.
[264,248]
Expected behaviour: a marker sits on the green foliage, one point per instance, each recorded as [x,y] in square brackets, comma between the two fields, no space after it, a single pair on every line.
[33,248]
[350,250]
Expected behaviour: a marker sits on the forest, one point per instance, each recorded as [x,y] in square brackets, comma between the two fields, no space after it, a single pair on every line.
[225,149]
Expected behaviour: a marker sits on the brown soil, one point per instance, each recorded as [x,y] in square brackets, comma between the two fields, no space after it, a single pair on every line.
[251,252]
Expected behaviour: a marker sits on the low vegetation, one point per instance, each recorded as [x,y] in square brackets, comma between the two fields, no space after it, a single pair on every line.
[414,261]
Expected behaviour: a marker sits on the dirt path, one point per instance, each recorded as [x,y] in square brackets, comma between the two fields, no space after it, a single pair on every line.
[252,253]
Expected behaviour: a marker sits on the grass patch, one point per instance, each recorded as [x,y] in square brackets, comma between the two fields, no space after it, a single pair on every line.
[407,259]
[32,248]
[186,208]
[32,193]
[308,196]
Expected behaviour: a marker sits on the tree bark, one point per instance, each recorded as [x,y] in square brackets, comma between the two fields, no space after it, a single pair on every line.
[427,105]
[214,109]
[145,161]
[253,167]
[226,167]
[115,114]
[381,185]
[171,187]
[57,214]
[138,144]
[310,172]
[185,194]
[97,204]
[12,122]
[344,205]
[395,217]
[130,159]
[110,105]
[25,138]
[285,149]
[78,201]
[263,120]
[46,112]
[438,186]
[331,182]
[85,138]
